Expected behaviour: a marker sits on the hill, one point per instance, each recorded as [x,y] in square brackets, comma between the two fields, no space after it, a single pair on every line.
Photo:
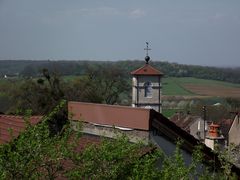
[188,86]
[32,68]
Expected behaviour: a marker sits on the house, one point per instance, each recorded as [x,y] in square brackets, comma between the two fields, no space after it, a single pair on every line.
[191,123]
[227,130]
[230,129]
[11,126]
[139,124]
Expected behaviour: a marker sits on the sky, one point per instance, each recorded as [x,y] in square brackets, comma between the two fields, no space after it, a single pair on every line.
[205,32]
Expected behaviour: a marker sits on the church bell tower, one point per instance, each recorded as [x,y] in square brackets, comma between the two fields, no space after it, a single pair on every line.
[146,86]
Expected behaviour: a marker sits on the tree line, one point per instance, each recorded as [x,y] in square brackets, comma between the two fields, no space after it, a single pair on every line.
[42,93]
[24,68]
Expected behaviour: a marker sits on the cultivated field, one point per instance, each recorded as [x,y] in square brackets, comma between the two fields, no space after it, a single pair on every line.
[199,87]
[213,90]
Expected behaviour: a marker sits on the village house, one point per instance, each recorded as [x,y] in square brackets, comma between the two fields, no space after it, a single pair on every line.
[227,130]
[194,125]
[139,125]
[230,128]
[143,121]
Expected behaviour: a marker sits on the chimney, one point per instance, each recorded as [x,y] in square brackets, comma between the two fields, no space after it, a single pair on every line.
[214,138]
[213,131]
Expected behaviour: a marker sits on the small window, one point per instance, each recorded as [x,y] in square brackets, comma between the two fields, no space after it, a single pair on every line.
[148,89]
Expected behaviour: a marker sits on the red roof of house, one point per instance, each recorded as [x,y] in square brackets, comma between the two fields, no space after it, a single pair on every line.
[16,124]
[147,70]
[183,121]
[138,118]
[121,116]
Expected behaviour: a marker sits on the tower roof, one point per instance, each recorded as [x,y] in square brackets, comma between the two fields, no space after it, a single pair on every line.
[147,70]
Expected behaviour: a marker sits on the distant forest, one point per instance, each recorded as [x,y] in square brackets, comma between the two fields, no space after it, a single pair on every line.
[33,68]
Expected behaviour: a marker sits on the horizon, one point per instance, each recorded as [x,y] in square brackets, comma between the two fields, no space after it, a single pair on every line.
[204,33]
[77,60]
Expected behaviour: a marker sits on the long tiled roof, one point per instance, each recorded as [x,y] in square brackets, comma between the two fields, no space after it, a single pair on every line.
[15,124]
[118,116]
[137,118]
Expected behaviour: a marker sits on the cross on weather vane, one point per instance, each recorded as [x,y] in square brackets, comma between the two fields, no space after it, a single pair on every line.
[147,58]
[147,49]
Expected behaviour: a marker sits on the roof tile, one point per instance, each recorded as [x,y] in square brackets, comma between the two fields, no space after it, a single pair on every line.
[147,70]
[16,124]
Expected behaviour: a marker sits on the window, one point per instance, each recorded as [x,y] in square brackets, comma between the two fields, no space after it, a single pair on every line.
[148,89]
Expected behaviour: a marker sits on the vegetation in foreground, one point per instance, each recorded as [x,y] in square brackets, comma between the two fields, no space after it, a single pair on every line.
[40,154]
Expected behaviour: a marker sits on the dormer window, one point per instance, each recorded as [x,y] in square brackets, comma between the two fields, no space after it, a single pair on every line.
[148,89]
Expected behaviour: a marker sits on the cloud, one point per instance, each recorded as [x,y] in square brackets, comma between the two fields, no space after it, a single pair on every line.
[218,16]
[99,11]
[67,15]
[137,13]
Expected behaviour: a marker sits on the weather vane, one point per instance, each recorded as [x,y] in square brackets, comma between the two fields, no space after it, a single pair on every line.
[147,58]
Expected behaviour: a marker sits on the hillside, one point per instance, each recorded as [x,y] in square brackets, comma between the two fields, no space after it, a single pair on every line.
[188,86]
[65,67]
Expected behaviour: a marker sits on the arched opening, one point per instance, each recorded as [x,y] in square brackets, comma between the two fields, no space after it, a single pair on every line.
[148,89]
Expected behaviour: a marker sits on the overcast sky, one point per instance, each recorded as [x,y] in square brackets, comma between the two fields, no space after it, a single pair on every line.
[203,32]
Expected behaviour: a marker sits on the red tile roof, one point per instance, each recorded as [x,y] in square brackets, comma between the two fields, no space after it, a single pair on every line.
[147,70]
[122,116]
[16,124]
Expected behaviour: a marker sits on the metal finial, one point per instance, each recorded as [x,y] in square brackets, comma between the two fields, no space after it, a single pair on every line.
[147,58]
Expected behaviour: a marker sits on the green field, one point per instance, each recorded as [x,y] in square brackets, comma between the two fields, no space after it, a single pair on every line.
[174,86]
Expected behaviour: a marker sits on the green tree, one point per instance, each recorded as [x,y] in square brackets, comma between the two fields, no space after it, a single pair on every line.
[36,154]
[41,95]
[104,85]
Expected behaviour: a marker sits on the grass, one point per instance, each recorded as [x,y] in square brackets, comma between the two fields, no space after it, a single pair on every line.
[168,112]
[192,80]
[175,86]
[171,86]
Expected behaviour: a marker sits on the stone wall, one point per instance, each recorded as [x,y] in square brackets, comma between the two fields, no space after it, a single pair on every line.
[111,131]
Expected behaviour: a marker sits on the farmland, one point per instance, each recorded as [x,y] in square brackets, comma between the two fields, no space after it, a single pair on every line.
[189,86]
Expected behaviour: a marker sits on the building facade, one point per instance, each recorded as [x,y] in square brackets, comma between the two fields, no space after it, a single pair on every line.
[146,87]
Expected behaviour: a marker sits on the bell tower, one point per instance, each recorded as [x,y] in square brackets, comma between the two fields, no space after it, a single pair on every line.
[146,86]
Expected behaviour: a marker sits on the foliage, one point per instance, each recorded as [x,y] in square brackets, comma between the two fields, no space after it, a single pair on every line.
[35,154]
[104,85]
[174,167]
[112,159]
[213,113]
[41,95]
[32,68]
[234,103]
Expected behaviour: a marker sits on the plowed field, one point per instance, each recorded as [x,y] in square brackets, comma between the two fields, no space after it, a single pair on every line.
[213,90]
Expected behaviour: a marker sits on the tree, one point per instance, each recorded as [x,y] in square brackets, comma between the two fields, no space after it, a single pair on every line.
[36,154]
[104,85]
[41,95]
